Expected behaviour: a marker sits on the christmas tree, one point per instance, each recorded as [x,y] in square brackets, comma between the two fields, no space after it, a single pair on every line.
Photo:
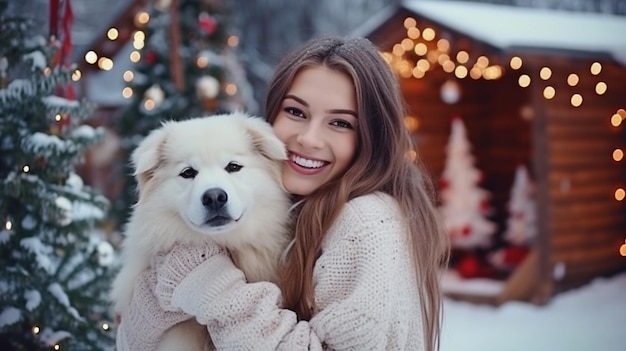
[54,266]
[521,225]
[188,68]
[465,205]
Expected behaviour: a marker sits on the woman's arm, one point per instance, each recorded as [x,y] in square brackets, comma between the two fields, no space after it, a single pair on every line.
[363,284]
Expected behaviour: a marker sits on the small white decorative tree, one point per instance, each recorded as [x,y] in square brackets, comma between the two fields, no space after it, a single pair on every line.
[464,204]
[521,226]
[522,222]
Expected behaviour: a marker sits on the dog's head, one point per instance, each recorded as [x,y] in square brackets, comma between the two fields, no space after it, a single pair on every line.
[212,172]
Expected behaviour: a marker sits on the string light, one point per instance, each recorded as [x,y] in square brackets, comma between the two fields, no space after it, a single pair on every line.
[76,75]
[595,68]
[545,73]
[515,63]
[523,80]
[105,63]
[8,225]
[26,169]
[549,92]
[231,89]
[601,88]
[127,92]
[573,79]
[135,56]
[57,347]
[428,34]
[142,18]
[622,249]
[113,33]
[105,326]
[411,123]
[409,22]
[91,57]
[232,41]
[620,194]
[128,76]
[35,330]
[576,100]
[618,155]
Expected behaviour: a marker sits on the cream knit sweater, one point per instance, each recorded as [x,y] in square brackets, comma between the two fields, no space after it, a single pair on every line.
[365,290]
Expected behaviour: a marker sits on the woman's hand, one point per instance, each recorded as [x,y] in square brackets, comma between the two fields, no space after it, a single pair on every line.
[173,266]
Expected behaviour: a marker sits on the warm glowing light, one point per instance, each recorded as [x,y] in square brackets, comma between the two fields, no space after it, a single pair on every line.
[127,92]
[135,56]
[460,72]
[230,89]
[475,73]
[398,50]
[91,57]
[545,73]
[420,49]
[428,34]
[448,66]
[139,44]
[105,63]
[57,347]
[423,65]
[601,88]
[58,117]
[549,92]
[142,18]
[618,155]
[622,250]
[47,71]
[482,62]
[128,76]
[616,120]
[202,61]
[524,81]
[407,44]
[36,330]
[418,73]
[411,123]
[113,33]
[596,68]
[413,33]
[149,104]
[462,56]
[139,36]
[8,226]
[409,22]
[443,45]
[620,194]
[105,326]
[576,100]
[572,79]
[443,58]
[76,75]
[515,63]
[492,72]
[232,41]
[26,169]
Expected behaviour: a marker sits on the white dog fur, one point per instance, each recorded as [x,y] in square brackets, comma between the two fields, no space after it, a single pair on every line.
[233,162]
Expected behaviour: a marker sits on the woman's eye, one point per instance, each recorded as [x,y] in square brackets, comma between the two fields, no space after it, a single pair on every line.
[188,173]
[233,167]
[294,112]
[342,124]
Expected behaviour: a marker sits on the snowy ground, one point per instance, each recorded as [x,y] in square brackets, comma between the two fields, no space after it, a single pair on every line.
[592,318]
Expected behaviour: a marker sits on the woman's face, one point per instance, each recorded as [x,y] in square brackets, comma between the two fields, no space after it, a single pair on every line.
[317,122]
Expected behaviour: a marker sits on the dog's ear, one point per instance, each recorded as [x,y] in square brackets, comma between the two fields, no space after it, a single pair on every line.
[264,139]
[147,156]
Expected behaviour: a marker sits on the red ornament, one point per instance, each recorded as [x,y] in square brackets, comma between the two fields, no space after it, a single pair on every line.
[468,267]
[207,23]
[443,183]
[150,57]
[514,255]
[466,230]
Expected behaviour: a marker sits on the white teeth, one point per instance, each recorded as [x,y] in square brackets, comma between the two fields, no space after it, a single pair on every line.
[306,162]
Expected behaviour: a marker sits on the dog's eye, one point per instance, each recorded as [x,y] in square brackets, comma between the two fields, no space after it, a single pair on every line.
[233,167]
[188,173]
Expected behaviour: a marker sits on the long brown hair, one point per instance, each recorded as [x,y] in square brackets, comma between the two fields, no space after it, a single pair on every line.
[380,164]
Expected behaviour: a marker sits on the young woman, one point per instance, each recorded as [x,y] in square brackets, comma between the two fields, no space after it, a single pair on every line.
[362,273]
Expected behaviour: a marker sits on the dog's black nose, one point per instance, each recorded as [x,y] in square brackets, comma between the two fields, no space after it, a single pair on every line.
[214,198]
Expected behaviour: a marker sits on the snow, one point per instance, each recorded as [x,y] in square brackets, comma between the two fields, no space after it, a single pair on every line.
[9,316]
[452,283]
[57,291]
[39,60]
[33,299]
[57,101]
[589,318]
[507,27]
[41,252]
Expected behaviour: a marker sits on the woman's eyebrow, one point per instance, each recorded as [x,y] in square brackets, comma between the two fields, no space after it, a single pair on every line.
[333,111]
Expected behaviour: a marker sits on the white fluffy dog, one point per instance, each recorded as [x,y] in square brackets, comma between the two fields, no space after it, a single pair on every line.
[212,178]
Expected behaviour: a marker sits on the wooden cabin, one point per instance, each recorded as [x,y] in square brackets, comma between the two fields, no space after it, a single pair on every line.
[537,87]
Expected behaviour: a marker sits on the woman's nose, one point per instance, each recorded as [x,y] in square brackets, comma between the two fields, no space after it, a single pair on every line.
[310,137]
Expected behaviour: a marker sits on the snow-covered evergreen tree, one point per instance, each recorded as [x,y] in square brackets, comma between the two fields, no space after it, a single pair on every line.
[464,204]
[54,266]
[188,68]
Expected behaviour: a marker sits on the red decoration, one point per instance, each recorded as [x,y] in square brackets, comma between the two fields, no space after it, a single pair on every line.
[466,230]
[207,23]
[150,57]
[443,183]
[471,266]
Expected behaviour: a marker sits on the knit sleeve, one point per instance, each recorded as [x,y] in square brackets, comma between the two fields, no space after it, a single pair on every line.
[359,295]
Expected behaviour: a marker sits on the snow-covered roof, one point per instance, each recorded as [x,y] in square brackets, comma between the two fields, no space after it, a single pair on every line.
[507,26]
